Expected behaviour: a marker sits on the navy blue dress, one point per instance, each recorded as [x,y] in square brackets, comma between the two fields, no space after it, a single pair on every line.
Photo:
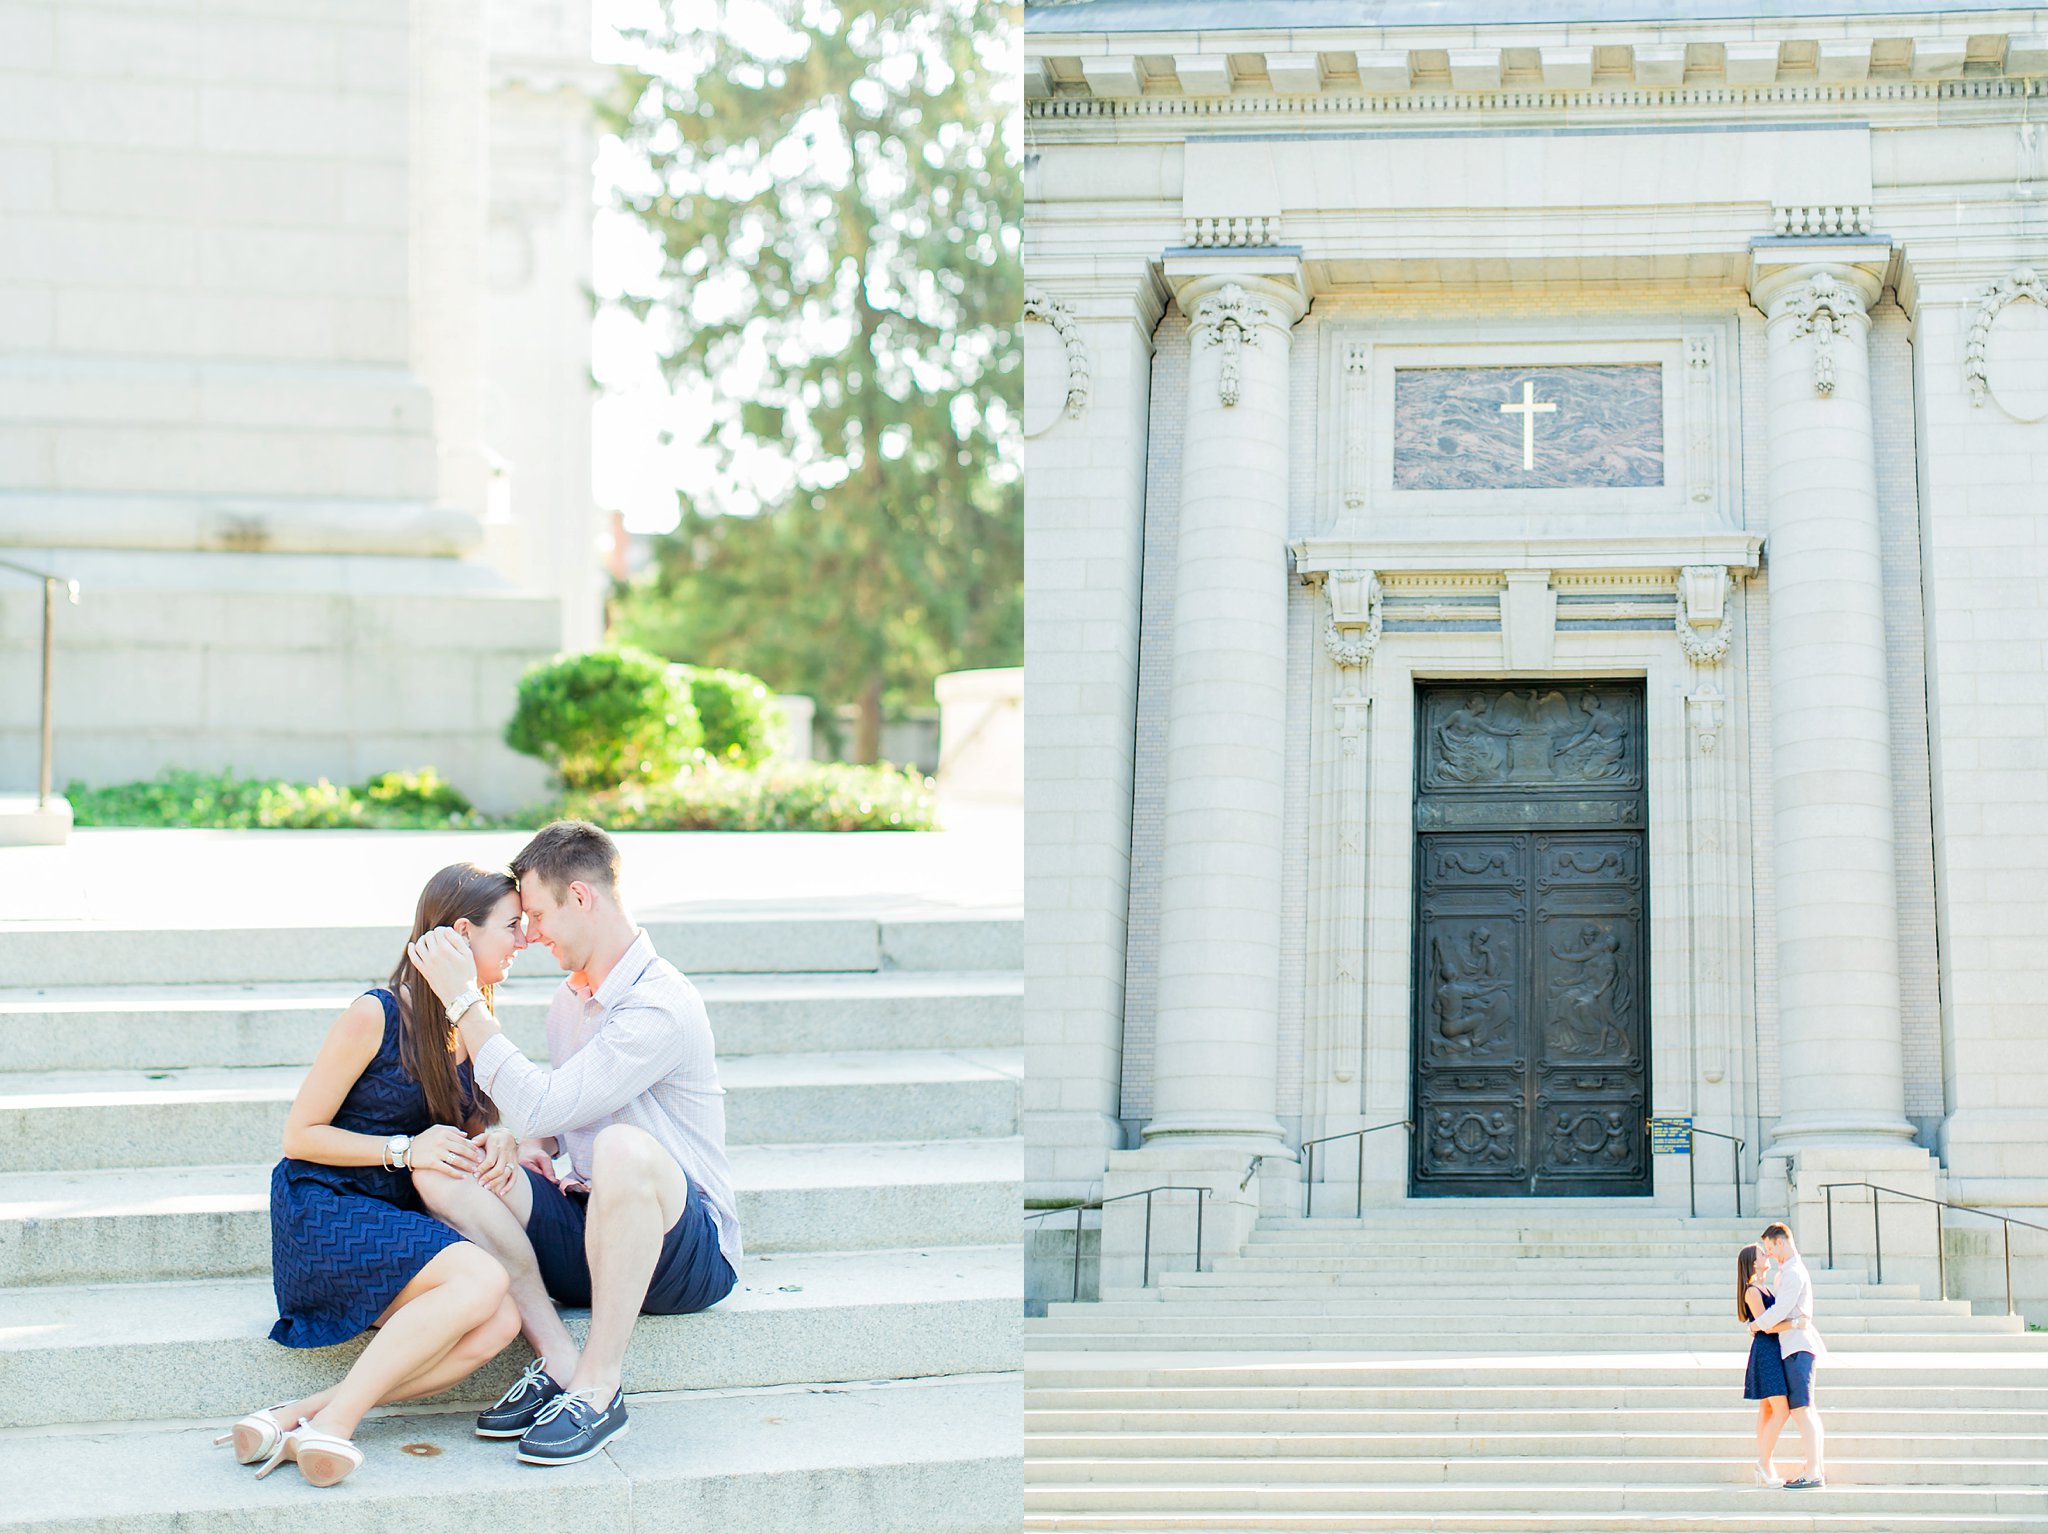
[1766,1363]
[345,1239]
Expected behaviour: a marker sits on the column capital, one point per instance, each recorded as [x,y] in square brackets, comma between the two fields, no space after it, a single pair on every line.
[1783,272]
[1102,289]
[1273,276]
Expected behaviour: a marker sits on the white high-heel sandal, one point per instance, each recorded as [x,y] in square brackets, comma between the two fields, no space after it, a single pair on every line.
[254,1436]
[1766,1477]
[323,1458]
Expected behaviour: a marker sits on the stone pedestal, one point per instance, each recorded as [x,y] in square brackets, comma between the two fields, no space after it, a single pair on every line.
[1839,1021]
[1215,1066]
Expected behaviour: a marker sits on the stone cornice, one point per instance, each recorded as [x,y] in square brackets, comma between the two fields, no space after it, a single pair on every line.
[1664,554]
[1929,49]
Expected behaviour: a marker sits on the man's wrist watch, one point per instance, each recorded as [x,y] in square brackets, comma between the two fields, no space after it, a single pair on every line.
[398,1153]
[464,1002]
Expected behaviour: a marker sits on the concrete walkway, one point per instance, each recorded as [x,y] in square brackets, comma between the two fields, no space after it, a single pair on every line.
[201,879]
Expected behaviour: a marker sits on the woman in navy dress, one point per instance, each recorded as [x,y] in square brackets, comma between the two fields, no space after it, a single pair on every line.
[1765,1383]
[389,1098]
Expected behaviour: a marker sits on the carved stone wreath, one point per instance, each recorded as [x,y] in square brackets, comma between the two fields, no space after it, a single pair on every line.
[1820,307]
[1230,318]
[1042,306]
[2023,282]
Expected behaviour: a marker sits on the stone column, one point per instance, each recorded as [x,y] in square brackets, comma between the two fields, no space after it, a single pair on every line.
[1842,1081]
[1215,1065]
[1088,383]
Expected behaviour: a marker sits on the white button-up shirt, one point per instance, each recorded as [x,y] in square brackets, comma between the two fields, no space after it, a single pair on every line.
[636,1051]
[1792,1300]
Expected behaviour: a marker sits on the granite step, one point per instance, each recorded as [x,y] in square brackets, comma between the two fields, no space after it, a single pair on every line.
[195,1222]
[68,953]
[1422,1505]
[84,1120]
[1708,1413]
[925,1457]
[130,1352]
[1661,1303]
[1388,1339]
[273,1023]
[1478,1462]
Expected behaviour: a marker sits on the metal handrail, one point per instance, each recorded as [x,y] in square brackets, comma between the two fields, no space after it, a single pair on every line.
[50,585]
[1308,1181]
[1940,1246]
[1692,1160]
[1077,1210]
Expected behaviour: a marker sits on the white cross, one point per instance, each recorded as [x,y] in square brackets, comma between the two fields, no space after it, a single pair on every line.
[1528,410]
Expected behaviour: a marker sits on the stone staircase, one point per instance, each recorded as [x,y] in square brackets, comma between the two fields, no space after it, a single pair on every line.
[862,1378]
[1571,1366]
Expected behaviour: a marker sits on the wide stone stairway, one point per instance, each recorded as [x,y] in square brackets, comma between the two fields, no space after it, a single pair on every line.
[1558,1365]
[862,1377]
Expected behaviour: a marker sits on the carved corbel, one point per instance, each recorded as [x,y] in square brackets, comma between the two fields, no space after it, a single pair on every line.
[1351,629]
[1821,306]
[1230,318]
[1043,307]
[1706,618]
[2022,282]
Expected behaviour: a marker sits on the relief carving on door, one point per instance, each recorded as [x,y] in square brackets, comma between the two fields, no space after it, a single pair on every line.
[1531,982]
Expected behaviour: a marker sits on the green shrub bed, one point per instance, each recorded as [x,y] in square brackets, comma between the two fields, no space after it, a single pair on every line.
[789,796]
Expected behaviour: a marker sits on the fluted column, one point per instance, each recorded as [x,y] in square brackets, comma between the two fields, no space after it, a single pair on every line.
[1841,1065]
[1215,1067]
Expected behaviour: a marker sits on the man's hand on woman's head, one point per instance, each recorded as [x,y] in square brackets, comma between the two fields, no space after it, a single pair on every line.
[444,961]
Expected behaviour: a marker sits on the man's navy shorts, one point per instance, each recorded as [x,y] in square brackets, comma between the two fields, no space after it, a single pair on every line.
[1798,1380]
[690,1274]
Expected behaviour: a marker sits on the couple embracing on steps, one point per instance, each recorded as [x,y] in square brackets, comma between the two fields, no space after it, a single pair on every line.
[1774,1295]
[420,1194]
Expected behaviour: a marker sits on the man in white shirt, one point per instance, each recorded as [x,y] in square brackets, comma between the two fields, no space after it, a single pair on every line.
[1792,1302]
[645,1220]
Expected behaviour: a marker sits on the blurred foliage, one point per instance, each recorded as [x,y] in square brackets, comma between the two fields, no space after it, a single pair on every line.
[392,801]
[836,211]
[783,796]
[738,713]
[605,717]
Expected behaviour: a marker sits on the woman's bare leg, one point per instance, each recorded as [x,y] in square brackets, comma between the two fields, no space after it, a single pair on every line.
[459,1292]
[471,1352]
[1775,1410]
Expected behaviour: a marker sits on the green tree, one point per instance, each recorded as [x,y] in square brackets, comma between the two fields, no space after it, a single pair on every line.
[836,207]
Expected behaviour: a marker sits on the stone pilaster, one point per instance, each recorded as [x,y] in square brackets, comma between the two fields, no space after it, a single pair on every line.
[1088,343]
[1842,1066]
[1215,1065]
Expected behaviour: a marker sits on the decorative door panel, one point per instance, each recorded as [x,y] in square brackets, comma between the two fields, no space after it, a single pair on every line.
[1531,960]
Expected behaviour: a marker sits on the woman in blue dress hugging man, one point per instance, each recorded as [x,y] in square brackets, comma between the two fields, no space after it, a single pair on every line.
[391,1094]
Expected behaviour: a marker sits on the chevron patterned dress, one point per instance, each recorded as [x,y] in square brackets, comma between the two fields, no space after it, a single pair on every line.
[345,1239]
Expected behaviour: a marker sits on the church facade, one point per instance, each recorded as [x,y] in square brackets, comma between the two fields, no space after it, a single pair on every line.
[1538,611]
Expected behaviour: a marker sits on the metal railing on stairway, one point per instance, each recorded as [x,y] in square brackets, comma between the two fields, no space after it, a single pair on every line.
[1692,1160]
[1940,1245]
[50,585]
[1308,1180]
[1080,1209]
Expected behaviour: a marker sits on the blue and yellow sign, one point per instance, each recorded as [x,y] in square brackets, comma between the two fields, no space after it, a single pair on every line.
[1671,1137]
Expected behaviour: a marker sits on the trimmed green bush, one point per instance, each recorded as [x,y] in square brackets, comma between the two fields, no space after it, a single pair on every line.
[793,796]
[739,714]
[221,801]
[605,718]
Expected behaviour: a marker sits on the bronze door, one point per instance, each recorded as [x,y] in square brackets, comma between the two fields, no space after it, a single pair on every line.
[1531,1026]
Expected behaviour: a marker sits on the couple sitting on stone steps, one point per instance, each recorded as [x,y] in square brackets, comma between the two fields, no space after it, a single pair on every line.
[419,1192]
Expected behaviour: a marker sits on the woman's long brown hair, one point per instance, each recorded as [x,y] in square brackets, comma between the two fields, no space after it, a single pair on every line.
[425,1037]
[1745,1270]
